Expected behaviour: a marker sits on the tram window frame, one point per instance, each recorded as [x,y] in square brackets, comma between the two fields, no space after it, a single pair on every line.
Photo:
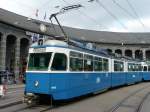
[140,67]
[130,67]
[144,68]
[105,64]
[118,66]
[98,64]
[148,68]
[58,63]
[78,57]
[76,54]
[88,62]
[136,67]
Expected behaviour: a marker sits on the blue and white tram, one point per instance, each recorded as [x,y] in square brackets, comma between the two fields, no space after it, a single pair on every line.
[146,73]
[56,70]
[118,74]
[63,72]
[133,74]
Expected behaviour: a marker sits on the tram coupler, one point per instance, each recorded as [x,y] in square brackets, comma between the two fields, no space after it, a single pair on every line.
[30,99]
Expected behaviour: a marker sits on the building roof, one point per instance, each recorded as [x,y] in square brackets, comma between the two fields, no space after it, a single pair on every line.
[32,25]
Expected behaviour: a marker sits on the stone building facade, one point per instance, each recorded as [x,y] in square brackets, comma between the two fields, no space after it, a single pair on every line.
[14,43]
[135,51]
[14,46]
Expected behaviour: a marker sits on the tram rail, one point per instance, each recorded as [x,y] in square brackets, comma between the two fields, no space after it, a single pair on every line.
[137,107]
[141,93]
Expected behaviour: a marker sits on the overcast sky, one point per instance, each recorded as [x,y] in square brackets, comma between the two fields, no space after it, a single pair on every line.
[108,15]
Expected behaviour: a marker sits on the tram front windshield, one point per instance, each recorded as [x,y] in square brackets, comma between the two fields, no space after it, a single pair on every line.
[39,61]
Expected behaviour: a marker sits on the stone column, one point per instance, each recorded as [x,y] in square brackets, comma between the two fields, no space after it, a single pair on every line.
[123,52]
[17,60]
[133,54]
[113,50]
[3,52]
[144,54]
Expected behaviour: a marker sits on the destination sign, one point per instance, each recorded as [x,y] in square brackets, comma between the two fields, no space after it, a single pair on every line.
[39,50]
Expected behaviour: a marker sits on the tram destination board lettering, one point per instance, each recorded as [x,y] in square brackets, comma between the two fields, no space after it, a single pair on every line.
[39,50]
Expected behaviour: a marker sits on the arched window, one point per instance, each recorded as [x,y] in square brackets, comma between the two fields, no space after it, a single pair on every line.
[118,51]
[148,55]
[138,54]
[128,53]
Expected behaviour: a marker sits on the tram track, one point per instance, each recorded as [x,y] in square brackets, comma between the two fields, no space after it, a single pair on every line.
[124,103]
[144,90]
[35,108]
[142,102]
[142,93]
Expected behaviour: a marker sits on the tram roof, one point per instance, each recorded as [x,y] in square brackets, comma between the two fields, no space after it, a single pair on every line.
[60,44]
[103,37]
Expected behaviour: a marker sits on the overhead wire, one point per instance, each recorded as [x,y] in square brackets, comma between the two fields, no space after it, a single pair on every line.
[106,9]
[87,16]
[136,14]
[110,13]
[122,8]
[126,11]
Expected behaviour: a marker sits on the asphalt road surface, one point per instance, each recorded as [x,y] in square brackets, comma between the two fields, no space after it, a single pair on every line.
[12,95]
[123,99]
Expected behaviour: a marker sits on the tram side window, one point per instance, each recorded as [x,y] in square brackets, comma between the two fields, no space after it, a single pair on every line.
[148,68]
[129,67]
[88,63]
[118,66]
[105,64]
[98,64]
[59,62]
[76,61]
[140,68]
[133,67]
[145,68]
[136,67]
